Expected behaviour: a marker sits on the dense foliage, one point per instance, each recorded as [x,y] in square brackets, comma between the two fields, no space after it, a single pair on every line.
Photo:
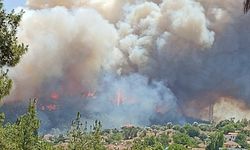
[10,50]
[80,138]
[23,134]
[216,141]
[241,139]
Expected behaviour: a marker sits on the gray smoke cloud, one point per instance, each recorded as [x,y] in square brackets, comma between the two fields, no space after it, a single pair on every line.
[132,61]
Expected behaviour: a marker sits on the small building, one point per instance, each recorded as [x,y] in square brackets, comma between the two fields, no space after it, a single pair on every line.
[231,136]
[48,137]
[248,140]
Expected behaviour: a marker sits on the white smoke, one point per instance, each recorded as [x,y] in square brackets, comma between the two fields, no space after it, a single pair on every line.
[63,44]
[171,52]
[131,100]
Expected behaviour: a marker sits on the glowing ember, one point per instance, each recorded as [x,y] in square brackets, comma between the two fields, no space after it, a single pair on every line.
[54,96]
[161,109]
[89,94]
[51,107]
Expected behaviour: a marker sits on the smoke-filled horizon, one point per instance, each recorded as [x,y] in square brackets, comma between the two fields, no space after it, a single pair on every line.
[133,61]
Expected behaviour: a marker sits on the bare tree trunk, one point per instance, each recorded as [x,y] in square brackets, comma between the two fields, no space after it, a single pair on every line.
[246,6]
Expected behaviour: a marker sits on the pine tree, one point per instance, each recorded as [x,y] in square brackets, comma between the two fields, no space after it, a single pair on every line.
[28,126]
[96,137]
[216,141]
[78,138]
[2,117]
[10,50]
[23,135]
[81,139]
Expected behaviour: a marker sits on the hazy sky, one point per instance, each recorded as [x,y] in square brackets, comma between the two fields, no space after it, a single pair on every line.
[10,4]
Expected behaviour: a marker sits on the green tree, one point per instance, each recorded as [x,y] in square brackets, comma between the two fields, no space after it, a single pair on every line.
[9,137]
[2,117]
[184,139]
[81,139]
[150,141]
[78,136]
[43,145]
[129,132]
[169,125]
[10,50]
[115,137]
[96,137]
[244,122]
[138,144]
[223,123]
[228,126]
[177,127]
[27,126]
[216,141]
[163,139]
[23,135]
[241,139]
[147,143]
[203,137]
[192,131]
[177,147]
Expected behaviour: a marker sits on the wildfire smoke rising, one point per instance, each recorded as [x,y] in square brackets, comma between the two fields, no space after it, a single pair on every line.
[167,59]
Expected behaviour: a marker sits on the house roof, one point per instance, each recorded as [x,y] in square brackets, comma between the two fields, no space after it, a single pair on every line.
[231,143]
[232,133]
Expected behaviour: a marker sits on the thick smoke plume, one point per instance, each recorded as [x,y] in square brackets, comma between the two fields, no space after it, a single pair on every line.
[132,61]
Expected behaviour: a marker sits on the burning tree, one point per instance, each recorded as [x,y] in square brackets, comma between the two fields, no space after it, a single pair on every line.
[10,50]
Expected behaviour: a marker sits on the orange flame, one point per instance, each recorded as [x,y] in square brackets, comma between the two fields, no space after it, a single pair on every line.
[119,98]
[54,96]
[89,94]
[51,107]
